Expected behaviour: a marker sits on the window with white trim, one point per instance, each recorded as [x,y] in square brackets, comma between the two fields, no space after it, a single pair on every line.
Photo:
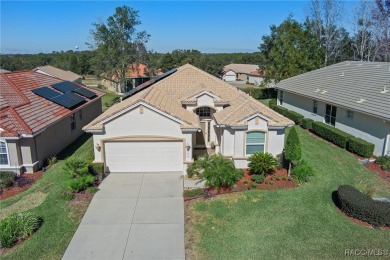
[203,111]
[330,115]
[315,107]
[73,122]
[3,153]
[255,142]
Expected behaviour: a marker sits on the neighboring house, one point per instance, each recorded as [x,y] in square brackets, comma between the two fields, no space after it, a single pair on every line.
[136,74]
[59,73]
[158,127]
[352,96]
[243,72]
[3,70]
[33,128]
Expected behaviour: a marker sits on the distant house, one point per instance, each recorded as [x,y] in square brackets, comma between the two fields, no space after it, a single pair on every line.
[243,72]
[3,70]
[352,96]
[59,73]
[136,74]
[39,116]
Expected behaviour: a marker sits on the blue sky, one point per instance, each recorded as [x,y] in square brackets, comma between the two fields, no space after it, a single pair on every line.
[208,26]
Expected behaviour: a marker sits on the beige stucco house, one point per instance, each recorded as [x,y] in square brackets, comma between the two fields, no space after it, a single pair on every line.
[250,73]
[39,116]
[352,96]
[59,73]
[160,126]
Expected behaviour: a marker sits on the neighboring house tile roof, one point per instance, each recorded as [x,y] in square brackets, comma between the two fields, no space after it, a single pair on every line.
[241,68]
[21,111]
[135,70]
[188,81]
[355,85]
[59,73]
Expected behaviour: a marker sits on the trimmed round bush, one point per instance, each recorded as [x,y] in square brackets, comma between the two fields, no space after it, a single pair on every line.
[307,123]
[359,205]
[7,178]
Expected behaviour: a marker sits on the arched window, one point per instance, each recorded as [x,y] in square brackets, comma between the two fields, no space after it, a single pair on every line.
[3,153]
[255,142]
[203,111]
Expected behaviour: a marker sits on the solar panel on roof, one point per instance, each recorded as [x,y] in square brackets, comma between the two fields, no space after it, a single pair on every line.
[65,86]
[46,92]
[85,93]
[68,100]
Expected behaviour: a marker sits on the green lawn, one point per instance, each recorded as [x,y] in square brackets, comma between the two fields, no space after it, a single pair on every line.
[108,100]
[60,218]
[300,223]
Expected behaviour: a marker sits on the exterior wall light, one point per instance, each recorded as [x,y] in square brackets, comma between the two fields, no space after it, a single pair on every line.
[98,147]
[188,147]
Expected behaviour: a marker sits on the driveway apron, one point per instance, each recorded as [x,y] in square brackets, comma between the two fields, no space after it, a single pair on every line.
[133,216]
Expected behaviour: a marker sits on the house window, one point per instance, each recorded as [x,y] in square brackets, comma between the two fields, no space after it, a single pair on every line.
[73,122]
[281,97]
[3,154]
[330,115]
[255,142]
[81,114]
[203,111]
[315,107]
[350,114]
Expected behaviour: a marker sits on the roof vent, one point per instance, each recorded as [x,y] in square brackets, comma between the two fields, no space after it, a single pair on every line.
[360,100]
[342,74]
[324,91]
[384,90]
[317,90]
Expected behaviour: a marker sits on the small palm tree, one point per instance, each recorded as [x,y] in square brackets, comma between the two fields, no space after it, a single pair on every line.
[262,163]
[76,166]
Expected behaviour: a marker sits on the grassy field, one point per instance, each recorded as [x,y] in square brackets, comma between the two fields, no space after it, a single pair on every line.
[108,100]
[300,223]
[60,218]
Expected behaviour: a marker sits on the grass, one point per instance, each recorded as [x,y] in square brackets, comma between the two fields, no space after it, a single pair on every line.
[300,223]
[108,100]
[265,101]
[60,218]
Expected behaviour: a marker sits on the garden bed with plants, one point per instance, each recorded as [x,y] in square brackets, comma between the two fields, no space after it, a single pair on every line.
[380,167]
[15,185]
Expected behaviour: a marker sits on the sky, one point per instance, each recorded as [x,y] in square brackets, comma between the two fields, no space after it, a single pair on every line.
[207,26]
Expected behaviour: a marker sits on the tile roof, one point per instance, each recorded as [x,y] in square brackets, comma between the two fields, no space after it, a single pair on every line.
[21,111]
[59,73]
[241,68]
[168,94]
[134,70]
[346,83]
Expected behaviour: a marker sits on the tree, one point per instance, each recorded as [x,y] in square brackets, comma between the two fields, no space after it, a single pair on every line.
[289,50]
[118,44]
[292,150]
[381,21]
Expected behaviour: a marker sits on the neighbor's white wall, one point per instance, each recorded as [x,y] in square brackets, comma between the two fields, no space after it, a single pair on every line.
[369,128]
[229,76]
[255,80]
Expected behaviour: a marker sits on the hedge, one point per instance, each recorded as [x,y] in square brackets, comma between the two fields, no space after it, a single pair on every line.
[332,134]
[272,103]
[359,205]
[360,147]
[307,123]
[294,116]
[280,110]
[261,93]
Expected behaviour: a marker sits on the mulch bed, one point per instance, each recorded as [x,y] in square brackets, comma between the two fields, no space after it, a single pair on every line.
[22,183]
[377,169]
[273,181]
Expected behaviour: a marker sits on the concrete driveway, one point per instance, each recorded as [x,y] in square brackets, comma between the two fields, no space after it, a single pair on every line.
[133,216]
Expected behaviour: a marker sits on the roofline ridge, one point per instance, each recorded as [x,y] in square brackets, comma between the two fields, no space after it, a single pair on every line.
[20,120]
[17,89]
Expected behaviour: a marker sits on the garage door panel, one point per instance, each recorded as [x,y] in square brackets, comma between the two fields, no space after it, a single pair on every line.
[144,156]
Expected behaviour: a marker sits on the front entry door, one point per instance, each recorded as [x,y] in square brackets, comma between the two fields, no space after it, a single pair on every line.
[203,138]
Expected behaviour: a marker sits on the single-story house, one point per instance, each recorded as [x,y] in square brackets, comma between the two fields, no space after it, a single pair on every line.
[159,127]
[243,72]
[136,74]
[59,73]
[39,116]
[353,96]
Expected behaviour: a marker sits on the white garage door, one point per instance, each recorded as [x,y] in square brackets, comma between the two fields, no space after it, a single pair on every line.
[144,156]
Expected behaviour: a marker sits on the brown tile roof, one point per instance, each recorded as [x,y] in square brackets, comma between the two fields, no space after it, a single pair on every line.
[59,73]
[134,70]
[21,111]
[241,68]
[168,94]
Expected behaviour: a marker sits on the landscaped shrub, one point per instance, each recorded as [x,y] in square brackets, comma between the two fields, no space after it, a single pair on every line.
[262,163]
[7,178]
[358,205]
[257,178]
[272,103]
[360,147]
[386,166]
[97,169]
[16,227]
[220,171]
[292,149]
[382,159]
[261,93]
[76,166]
[294,116]
[81,183]
[196,168]
[331,134]
[281,110]
[307,123]
[302,172]
[51,160]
